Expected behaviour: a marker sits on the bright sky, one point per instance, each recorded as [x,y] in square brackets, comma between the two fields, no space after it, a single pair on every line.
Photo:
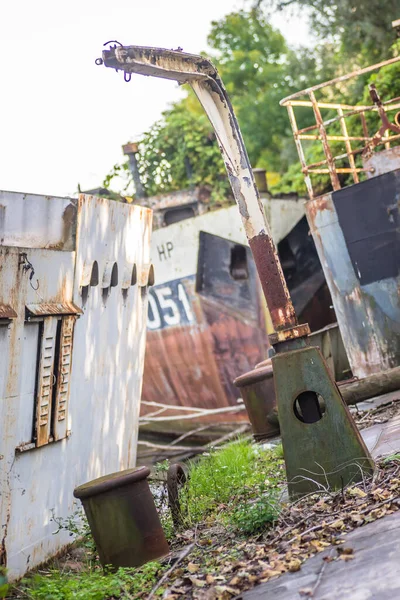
[63,120]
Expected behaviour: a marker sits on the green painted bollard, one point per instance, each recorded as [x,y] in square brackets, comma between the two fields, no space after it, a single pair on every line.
[123,518]
[257,390]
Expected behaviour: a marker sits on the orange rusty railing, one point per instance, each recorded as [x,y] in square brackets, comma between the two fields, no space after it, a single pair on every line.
[344,162]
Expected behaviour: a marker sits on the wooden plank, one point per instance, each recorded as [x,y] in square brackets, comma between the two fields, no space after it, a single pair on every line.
[63,378]
[45,381]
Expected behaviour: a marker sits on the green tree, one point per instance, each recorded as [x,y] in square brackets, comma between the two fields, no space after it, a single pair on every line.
[177,152]
[362,29]
[181,151]
[258,70]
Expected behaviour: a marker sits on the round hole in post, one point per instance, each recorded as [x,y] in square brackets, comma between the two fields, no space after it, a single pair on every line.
[309,407]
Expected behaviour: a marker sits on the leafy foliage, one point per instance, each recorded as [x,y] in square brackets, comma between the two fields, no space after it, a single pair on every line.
[259,68]
[179,151]
[254,514]
[76,524]
[360,29]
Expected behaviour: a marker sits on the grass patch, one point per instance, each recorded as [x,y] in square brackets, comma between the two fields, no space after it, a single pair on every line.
[93,584]
[237,485]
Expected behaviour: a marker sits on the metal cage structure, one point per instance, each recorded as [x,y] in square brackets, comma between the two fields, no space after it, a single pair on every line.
[348,153]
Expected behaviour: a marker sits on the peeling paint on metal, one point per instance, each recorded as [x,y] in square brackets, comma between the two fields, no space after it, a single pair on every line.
[7,312]
[107,361]
[56,308]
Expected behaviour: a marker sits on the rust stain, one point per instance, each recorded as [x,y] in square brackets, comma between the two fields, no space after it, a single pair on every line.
[273,282]
[283,335]
[56,308]
[7,312]
[195,365]
[67,241]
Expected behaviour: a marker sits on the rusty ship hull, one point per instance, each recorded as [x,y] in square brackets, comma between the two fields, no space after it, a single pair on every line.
[207,321]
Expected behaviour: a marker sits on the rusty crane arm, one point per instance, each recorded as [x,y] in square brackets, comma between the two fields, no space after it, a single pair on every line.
[301,376]
[203,77]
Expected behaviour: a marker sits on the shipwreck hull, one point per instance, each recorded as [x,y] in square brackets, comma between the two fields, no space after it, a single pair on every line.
[221,333]
[207,321]
[356,232]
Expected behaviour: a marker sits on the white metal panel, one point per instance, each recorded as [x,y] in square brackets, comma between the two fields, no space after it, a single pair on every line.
[105,384]
[32,221]
[30,347]
[174,249]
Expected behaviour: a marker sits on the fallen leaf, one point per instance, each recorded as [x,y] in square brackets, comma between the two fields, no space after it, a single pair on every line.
[342,550]
[339,524]
[328,559]
[294,565]
[197,582]
[356,491]
[192,567]
[223,591]
[356,518]
[268,574]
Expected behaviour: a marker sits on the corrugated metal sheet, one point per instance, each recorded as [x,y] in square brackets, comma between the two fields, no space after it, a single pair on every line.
[7,312]
[43,309]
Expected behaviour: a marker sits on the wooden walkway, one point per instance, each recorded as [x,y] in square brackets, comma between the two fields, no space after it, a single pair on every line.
[373,573]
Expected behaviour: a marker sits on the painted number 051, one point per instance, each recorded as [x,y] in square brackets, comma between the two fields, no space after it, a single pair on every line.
[172,307]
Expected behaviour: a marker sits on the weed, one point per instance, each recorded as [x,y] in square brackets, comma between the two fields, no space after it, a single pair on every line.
[90,585]
[236,477]
[161,467]
[392,458]
[77,526]
[252,516]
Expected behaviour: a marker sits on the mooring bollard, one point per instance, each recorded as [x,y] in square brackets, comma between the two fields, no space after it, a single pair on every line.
[258,393]
[123,518]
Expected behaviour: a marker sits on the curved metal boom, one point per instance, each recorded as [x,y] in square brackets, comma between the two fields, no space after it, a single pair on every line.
[203,77]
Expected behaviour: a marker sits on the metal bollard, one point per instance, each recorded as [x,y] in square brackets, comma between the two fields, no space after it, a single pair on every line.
[123,518]
[258,393]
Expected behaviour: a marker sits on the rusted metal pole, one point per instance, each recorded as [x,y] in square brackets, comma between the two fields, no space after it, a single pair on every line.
[207,85]
[130,150]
